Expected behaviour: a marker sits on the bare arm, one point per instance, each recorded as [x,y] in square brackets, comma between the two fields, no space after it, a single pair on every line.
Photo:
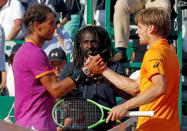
[58,89]
[118,91]
[3,82]
[122,93]
[59,38]
[63,22]
[55,88]
[123,83]
[16,28]
[157,89]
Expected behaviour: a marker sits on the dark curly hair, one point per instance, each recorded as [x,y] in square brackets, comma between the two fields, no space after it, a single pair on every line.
[35,13]
[104,42]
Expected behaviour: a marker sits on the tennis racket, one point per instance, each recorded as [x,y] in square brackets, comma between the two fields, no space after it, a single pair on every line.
[79,113]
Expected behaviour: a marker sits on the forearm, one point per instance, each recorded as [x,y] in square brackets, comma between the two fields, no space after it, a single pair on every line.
[15,30]
[4,77]
[3,82]
[63,87]
[122,93]
[70,82]
[57,88]
[123,83]
[146,97]
[63,22]
[61,40]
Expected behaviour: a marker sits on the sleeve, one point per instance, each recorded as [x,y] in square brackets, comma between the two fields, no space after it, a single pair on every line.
[39,64]
[18,10]
[154,63]
[2,53]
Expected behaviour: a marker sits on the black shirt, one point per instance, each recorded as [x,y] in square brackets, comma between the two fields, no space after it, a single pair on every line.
[60,6]
[95,90]
[73,5]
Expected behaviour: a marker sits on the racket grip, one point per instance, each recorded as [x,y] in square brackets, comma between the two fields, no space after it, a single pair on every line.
[139,113]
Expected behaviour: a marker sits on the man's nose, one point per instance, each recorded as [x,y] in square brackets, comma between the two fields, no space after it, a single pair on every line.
[137,31]
[55,27]
[90,44]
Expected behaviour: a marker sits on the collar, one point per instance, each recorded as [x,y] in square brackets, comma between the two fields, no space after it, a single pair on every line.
[160,42]
[28,40]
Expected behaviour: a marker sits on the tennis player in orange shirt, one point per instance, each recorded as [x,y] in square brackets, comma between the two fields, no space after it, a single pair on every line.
[157,88]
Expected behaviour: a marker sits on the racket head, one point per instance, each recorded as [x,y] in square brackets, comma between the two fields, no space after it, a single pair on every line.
[77,114]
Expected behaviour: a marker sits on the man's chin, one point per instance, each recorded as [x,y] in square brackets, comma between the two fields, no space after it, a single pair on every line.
[50,38]
[88,54]
[143,43]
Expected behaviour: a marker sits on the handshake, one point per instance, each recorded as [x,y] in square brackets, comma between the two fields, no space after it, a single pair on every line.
[94,65]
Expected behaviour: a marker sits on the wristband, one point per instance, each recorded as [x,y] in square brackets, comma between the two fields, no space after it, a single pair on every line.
[78,78]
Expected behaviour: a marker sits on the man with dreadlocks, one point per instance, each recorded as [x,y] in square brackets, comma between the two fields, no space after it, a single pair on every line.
[92,40]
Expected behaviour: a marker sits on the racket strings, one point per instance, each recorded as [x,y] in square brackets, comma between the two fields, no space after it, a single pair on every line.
[80,112]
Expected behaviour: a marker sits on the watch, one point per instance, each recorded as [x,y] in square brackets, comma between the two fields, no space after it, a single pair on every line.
[86,71]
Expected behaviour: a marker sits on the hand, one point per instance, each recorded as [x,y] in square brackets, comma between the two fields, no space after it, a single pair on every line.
[67,122]
[56,31]
[127,72]
[96,64]
[59,25]
[116,113]
[2,88]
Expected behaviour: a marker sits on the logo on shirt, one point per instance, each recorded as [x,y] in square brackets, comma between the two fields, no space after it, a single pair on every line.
[156,64]
[46,68]
[155,60]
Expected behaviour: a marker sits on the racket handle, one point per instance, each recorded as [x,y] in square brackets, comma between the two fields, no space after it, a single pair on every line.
[139,113]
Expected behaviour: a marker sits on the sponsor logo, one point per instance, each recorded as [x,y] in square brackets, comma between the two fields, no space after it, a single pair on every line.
[156,64]
[54,54]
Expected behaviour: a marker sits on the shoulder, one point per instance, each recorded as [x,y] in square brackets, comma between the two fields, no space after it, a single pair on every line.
[18,7]
[33,51]
[15,3]
[155,52]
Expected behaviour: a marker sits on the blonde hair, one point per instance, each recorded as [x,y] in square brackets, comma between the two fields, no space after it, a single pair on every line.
[158,17]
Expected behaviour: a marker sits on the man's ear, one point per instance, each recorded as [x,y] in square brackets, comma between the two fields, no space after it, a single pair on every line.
[36,26]
[153,29]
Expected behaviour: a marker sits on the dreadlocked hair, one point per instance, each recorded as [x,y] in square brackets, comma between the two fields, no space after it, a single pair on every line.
[103,40]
